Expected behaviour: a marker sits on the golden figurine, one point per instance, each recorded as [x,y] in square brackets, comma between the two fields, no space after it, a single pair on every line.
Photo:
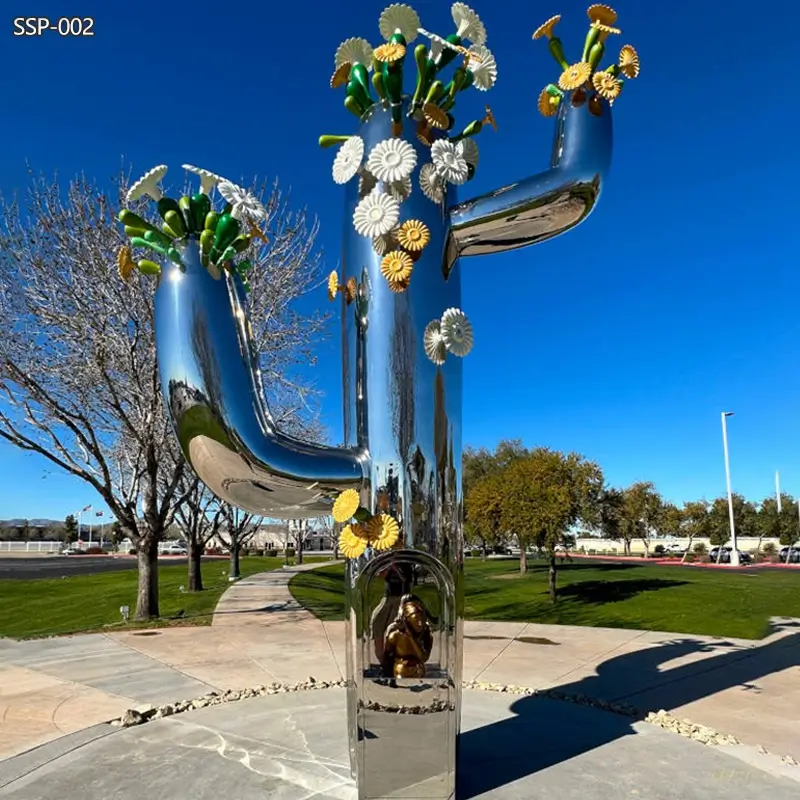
[409,640]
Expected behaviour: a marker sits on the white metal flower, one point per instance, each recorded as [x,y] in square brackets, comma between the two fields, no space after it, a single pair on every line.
[245,205]
[147,185]
[438,43]
[392,160]
[366,183]
[468,150]
[431,183]
[448,162]
[348,159]
[456,332]
[385,242]
[433,342]
[377,213]
[399,18]
[208,179]
[483,67]
[354,51]
[400,190]
[468,23]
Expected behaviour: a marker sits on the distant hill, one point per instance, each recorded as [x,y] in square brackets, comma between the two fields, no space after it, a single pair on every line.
[32,523]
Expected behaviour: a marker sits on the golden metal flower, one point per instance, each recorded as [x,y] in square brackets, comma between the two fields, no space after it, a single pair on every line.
[489,119]
[399,286]
[435,116]
[413,235]
[629,61]
[602,14]
[548,105]
[341,75]
[424,133]
[352,541]
[606,85]
[125,263]
[350,290]
[397,266]
[345,505]
[333,285]
[383,531]
[546,29]
[605,30]
[389,53]
[574,76]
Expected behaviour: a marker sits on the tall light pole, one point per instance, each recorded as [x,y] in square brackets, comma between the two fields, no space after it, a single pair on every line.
[735,550]
[778,489]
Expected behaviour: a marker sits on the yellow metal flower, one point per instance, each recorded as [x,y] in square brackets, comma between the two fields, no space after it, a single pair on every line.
[548,105]
[345,505]
[413,235]
[352,541]
[574,76]
[389,52]
[602,14]
[125,263]
[399,286]
[546,29]
[333,285]
[350,290]
[489,119]
[629,61]
[435,116]
[424,133]
[605,30]
[383,531]
[341,75]
[606,85]
[396,266]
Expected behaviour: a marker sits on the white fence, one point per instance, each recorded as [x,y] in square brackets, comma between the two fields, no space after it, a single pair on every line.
[31,547]
[611,547]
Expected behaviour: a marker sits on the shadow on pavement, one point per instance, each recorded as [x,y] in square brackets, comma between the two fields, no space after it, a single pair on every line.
[537,738]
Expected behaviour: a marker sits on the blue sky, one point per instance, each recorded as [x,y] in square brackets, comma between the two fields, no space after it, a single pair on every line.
[624,339]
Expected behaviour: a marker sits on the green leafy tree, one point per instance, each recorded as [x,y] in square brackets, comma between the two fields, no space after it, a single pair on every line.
[696,523]
[483,511]
[782,524]
[70,529]
[612,523]
[745,520]
[643,509]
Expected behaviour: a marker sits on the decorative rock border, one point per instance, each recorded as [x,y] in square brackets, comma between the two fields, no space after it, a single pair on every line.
[663,719]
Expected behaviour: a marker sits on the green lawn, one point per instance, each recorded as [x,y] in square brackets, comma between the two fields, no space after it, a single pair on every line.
[90,602]
[646,597]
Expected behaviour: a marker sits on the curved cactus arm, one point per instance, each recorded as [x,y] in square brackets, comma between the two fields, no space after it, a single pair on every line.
[545,205]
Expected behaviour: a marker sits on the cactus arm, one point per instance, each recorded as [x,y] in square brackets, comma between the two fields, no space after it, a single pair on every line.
[542,206]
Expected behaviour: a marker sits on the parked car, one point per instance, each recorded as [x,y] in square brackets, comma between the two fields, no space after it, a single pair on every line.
[793,554]
[744,558]
[674,548]
[72,551]
[174,549]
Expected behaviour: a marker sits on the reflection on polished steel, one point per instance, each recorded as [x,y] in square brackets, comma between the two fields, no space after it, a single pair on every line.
[402,423]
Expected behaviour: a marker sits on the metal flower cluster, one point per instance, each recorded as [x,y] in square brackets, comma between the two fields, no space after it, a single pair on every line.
[378,531]
[223,242]
[584,78]
[385,175]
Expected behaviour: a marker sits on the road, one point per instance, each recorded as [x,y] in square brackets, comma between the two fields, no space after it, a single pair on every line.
[66,566]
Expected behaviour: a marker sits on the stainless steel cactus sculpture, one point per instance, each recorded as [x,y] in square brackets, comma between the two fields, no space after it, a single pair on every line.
[396,484]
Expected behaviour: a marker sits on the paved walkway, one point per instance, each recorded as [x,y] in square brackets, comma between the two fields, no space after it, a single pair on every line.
[56,686]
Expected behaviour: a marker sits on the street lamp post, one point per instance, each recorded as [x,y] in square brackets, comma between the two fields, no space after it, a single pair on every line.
[735,550]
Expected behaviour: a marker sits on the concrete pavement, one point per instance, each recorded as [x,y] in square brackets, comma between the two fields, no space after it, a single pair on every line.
[53,687]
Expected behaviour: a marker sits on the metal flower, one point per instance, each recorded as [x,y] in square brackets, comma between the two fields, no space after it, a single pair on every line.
[548,105]
[397,266]
[482,65]
[352,541]
[350,290]
[346,504]
[399,286]
[606,85]
[383,531]
[208,180]
[377,213]
[468,23]
[341,75]
[125,263]
[354,51]
[389,53]
[605,15]
[246,206]
[433,342]
[392,160]
[448,163]
[333,287]
[431,183]
[436,117]
[575,76]
[468,150]
[348,159]
[413,235]
[456,332]
[385,242]
[400,190]
[546,28]
[399,18]
[147,185]
[629,61]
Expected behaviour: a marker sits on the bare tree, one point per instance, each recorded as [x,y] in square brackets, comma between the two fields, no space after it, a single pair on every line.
[78,374]
[239,528]
[200,517]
